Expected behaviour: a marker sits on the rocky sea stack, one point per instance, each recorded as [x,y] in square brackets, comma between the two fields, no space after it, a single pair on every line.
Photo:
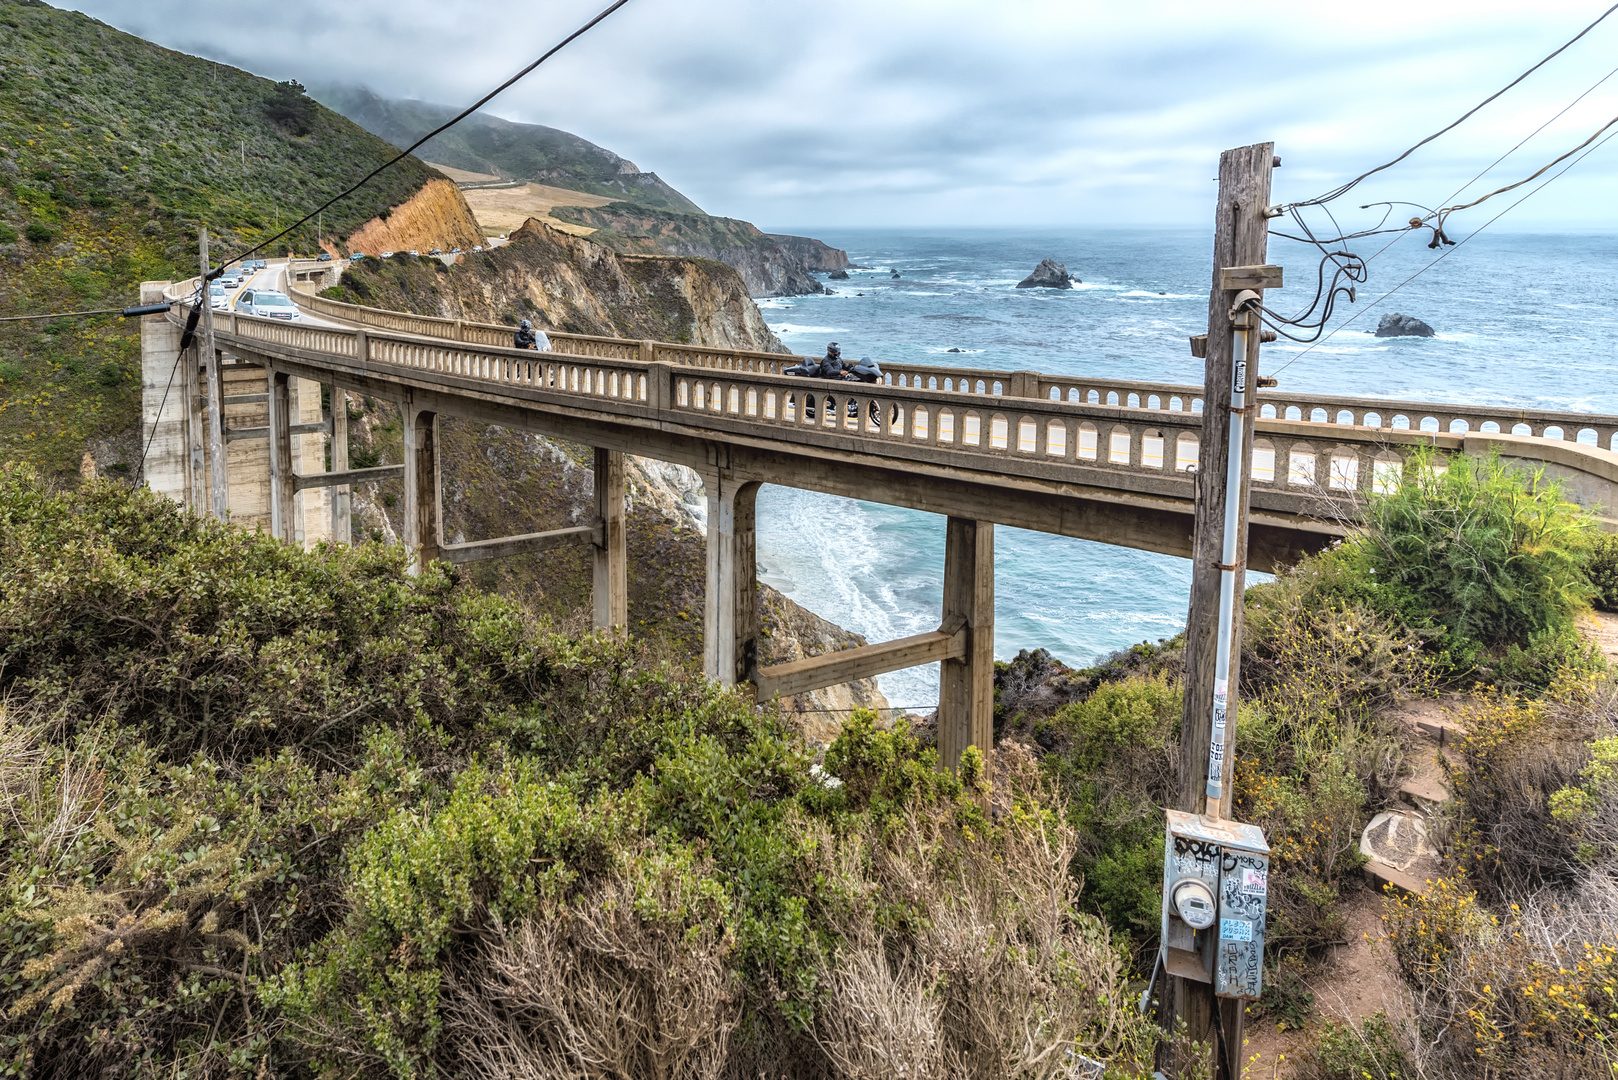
[1397,325]
[1049,274]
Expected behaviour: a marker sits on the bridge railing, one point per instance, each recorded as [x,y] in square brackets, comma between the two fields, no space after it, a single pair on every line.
[1152,438]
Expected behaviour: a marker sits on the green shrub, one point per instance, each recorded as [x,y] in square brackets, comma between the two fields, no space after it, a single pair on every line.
[39,233]
[8,235]
[1603,570]
[276,812]
[1372,1050]
[1479,552]
[1116,764]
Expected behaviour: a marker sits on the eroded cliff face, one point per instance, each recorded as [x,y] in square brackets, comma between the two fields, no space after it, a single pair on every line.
[771,265]
[499,482]
[434,217]
[575,285]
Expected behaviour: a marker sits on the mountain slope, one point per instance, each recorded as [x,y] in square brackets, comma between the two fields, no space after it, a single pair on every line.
[489,144]
[112,152]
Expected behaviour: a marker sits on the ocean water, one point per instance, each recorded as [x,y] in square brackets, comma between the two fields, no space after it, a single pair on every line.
[1528,320]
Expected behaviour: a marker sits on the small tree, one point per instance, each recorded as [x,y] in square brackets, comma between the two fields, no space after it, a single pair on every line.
[288,107]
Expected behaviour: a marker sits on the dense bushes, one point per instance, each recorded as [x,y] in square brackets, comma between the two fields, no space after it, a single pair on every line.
[1604,570]
[265,812]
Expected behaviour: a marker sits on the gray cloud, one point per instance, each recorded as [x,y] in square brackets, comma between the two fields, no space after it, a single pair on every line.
[1028,112]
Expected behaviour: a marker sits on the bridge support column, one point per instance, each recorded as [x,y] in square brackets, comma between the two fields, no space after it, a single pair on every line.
[730,615]
[342,526]
[280,432]
[611,587]
[421,485]
[966,686]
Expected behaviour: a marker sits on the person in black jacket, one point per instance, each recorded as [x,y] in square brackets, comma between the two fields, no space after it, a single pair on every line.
[529,338]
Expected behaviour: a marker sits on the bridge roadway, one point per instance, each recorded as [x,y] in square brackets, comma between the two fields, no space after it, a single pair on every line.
[1098,459]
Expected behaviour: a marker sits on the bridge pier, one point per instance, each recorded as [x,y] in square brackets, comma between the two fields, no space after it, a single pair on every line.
[730,610]
[610,588]
[422,487]
[966,683]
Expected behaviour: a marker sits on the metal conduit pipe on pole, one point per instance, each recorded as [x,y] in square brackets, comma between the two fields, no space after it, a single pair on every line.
[218,479]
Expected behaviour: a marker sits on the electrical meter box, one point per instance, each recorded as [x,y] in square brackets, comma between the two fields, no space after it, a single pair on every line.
[1215,887]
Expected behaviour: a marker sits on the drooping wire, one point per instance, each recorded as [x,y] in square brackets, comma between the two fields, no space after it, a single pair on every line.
[1442,255]
[407,151]
[1439,237]
[60,315]
[1343,189]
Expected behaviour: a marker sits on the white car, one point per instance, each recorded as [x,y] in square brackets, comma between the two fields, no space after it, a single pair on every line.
[216,296]
[387,254]
[230,279]
[268,303]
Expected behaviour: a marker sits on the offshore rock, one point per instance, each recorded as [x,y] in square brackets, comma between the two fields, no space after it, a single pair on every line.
[1397,325]
[1049,274]
[838,275]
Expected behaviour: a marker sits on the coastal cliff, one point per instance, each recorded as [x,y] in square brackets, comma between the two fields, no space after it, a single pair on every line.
[571,284]
[771,265]
[436,216]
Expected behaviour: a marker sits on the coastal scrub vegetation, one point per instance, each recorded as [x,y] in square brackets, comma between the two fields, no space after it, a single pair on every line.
[274,812]
[1470,578]
[113,151]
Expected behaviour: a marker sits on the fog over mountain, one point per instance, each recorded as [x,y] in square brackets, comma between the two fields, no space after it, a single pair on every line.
[1025,112]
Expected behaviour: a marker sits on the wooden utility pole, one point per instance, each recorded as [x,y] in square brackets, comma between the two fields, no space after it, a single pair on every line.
[218,481]
[1240,239]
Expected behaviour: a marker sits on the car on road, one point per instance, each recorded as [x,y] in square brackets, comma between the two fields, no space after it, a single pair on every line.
[357,256]
[216,296]
[435,251]
[387,254]
[266,302]
[324,256]
[478,248]
[230,279]
[454,251]
[413,251]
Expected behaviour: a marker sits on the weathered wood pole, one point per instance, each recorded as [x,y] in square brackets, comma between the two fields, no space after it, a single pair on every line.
[966,686]
[610,591]
[1240,239]
[282,488]
[730,609]
[421,482]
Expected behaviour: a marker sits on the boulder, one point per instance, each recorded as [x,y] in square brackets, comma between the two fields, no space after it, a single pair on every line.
[838,275]
[1397,325]
[1049,274]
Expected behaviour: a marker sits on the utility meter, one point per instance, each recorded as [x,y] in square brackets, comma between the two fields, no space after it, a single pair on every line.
[1215,888]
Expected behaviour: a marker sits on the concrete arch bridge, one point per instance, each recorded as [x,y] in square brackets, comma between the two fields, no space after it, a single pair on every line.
[1100,459]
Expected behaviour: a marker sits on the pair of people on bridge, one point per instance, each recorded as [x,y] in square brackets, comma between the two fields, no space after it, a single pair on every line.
[529,338]
[832,366]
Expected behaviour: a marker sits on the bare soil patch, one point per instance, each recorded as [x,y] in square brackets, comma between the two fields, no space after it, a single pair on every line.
[505,209]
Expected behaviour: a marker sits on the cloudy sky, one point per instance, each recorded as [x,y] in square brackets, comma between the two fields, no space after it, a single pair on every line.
[992,112]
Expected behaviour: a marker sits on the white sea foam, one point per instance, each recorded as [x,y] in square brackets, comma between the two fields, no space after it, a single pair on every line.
[796,328]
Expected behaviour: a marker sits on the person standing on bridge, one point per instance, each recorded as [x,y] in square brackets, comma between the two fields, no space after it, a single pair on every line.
[529,338]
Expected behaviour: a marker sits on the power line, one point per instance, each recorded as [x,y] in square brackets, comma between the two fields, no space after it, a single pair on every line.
[1446,252]
[128,313]
[1343,189]
[440,129]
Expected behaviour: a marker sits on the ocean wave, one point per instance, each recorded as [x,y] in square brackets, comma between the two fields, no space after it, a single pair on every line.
[795,328]
[1143,294]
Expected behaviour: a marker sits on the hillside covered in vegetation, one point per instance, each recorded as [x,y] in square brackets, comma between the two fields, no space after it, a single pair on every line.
[113,151]
[489,144]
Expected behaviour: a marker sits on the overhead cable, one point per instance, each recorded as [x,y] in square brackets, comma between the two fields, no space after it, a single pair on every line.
[1343,189]
[439,130]
[128,313]
[1447,251]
